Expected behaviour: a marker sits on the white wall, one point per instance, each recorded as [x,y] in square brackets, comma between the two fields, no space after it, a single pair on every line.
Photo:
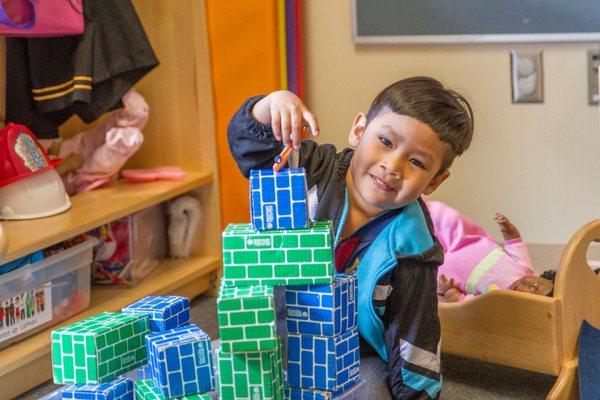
[537,163]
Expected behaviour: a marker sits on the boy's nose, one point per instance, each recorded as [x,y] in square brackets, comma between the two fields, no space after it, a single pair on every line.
[392,168]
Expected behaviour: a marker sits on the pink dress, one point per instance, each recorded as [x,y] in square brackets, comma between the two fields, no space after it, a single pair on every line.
[472,256]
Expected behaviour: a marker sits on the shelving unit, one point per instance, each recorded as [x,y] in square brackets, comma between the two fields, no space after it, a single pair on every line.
[92,209]
[180,131]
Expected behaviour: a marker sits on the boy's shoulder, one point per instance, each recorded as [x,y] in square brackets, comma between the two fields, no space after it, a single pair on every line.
[323,163]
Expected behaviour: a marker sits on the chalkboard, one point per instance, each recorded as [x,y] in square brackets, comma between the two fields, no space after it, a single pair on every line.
[456,21]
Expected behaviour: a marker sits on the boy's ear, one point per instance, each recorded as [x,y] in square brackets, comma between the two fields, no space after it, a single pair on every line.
[436,181]
[358,127]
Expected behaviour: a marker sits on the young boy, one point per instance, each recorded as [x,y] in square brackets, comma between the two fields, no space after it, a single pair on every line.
[400,150]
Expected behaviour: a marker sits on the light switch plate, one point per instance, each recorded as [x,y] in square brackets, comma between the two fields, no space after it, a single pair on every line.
[593,63]
[527,76]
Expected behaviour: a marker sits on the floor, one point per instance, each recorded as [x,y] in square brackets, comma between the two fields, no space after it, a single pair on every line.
[463,379]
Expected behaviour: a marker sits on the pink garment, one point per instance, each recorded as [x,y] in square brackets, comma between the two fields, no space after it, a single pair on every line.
[465,244]
[108,147]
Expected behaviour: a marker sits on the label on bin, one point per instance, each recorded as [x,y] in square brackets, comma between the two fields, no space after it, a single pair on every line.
[25,311]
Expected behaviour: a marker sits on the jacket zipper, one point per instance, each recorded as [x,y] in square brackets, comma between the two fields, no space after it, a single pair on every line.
[340,229]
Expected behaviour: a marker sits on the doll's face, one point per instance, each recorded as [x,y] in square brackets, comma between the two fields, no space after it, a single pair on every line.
[533,284]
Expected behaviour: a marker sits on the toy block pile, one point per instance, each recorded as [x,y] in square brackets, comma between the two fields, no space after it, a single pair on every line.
[282,247]
[151,341]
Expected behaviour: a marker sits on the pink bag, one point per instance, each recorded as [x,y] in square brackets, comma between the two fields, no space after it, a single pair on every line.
[41,18]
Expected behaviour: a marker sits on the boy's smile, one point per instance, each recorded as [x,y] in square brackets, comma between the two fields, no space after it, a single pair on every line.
[397,159]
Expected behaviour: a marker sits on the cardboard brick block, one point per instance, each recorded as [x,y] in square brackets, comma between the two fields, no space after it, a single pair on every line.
[251,376]
[278,257]
[324,310]
[354,391]
[119,389]
[323,362]
[164,312]
[138,374]
[278,199]
[99,349]
[181,361]
[145,390]
[143,372]
[246,318]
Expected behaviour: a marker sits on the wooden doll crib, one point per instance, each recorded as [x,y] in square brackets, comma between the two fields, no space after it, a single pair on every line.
[509,328]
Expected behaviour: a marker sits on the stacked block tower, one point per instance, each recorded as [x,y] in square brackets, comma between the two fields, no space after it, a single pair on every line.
[279,247]
[151,338]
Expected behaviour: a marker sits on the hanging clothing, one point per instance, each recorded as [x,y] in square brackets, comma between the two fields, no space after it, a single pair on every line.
[50,79]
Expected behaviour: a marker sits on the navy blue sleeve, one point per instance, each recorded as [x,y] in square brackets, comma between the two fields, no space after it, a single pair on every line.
[253,146]
[413,329]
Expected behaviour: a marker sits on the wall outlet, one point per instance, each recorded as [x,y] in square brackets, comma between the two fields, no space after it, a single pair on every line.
[527,76]
[593,63]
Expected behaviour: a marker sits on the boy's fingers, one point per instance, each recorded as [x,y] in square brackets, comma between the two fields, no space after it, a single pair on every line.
[311,120]
[296,130]
[276,125]
[285,128]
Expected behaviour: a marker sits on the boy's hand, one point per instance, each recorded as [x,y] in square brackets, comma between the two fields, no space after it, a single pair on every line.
[287,114]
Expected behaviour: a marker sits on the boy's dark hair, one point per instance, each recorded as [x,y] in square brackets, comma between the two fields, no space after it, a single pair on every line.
[446,112]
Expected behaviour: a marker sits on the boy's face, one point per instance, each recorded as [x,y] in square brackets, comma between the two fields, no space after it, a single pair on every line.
[397,159]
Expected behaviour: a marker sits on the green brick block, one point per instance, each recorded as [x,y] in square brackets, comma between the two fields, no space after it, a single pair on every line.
[278,257]
[251,376]
[145,390]
[98,349]
[246,318]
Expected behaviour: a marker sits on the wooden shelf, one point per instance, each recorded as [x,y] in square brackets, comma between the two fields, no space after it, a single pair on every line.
[181,131]
[31,357]
[92,209]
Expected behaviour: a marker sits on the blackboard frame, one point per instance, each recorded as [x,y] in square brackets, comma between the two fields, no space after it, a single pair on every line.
[467,38]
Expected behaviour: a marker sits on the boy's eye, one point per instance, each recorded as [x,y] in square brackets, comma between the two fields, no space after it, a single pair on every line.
[418,163]
[385,141]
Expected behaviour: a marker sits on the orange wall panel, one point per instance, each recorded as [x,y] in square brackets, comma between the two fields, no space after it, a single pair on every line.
[245,61]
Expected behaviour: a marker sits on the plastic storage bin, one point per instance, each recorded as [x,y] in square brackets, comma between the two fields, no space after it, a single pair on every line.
[44,293]
[129,248]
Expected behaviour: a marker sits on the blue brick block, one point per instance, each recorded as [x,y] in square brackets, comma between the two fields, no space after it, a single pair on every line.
[142,373]
[181,361]
[323,362]
[119,389]
[352,391]
[164,312]
[323,310]
[278,199]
